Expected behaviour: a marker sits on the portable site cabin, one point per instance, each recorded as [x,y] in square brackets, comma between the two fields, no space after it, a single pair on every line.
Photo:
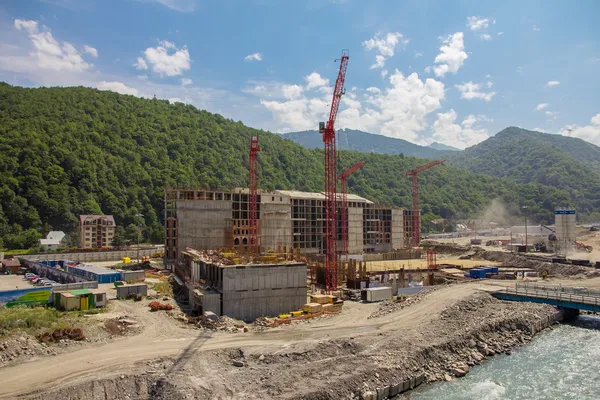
[125,290]
[81,299]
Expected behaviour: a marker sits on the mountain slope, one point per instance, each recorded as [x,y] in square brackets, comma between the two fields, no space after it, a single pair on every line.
[70,151]
[348,139]
[443,147]
[532,157]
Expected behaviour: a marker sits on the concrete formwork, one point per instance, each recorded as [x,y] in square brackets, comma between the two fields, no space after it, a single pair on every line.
[203,224]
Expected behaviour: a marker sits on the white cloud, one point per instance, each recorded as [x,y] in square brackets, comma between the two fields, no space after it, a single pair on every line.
[90,50]
[552,83]
[471,91]
[418,54]
[485,37]
[500,33]
[141,64]
[315,80]
[489,84]
[446,131]
[292,92]
[46,53]
[477,23]
[177,5]
[400,110]
[452,55]
[541,106]
[519,69]
[383,73]
[385,46]
[165,59]
[536,28]
[253,57]
[30,26]
[549,113]
[186,81]
[590,133]
[118,87]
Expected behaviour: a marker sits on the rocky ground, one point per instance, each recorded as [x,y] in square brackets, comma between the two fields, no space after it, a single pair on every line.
[446,346]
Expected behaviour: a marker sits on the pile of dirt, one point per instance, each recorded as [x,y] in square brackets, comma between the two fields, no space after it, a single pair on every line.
[223,323]
[389,306]
[445,248]
[21,348]
[537,264]
[61,334]
[121,326]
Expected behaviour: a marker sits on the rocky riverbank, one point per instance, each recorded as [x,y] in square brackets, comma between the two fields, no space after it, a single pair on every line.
[369,366]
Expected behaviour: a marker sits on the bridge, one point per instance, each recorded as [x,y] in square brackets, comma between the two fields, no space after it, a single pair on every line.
[568,298]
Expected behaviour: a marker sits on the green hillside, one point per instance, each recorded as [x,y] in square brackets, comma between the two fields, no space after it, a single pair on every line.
[533,157]
[68,151]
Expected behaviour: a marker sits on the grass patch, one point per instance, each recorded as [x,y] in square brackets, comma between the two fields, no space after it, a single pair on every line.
[163,288]
[33,320]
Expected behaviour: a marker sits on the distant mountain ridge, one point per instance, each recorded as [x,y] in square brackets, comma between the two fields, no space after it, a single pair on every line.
[350,139]
[443,147]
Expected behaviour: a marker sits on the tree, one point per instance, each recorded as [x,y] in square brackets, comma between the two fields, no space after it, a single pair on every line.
[132,233]
[119,237]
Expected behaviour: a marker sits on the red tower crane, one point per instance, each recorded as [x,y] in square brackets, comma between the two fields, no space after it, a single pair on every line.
[344,205]
[252,217]
[415,240]
[328,132]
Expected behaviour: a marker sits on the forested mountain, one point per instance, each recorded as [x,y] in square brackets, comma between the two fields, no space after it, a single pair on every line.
[349,139]
[71,151]
[443,147]
[532,157]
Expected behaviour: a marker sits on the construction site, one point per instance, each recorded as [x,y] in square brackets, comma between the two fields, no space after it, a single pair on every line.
[312,295]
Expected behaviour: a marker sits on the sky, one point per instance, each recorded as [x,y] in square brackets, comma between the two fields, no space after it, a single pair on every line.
[420,70]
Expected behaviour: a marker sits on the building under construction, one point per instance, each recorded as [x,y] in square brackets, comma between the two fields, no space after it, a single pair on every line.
[202,219]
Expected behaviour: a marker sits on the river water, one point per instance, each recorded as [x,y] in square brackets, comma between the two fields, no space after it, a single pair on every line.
[563,363]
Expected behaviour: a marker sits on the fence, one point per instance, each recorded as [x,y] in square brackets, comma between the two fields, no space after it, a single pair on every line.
[94,256]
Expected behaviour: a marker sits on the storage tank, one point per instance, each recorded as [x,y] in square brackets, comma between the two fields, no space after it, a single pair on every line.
[565,221]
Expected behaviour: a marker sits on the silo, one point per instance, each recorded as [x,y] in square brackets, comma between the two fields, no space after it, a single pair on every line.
[565,221]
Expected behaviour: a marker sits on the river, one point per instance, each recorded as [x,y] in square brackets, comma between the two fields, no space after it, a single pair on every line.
[563,363]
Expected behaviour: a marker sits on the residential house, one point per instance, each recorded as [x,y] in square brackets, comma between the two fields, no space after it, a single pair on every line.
[53,241]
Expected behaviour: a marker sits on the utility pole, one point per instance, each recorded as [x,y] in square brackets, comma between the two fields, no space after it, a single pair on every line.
[525,208]
[138,236]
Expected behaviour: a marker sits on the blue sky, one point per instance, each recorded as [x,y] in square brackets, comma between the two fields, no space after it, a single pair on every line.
[452,72]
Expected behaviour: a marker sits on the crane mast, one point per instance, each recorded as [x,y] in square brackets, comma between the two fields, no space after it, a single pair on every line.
[344,205]
[252,217]
[415,240]
[328,131]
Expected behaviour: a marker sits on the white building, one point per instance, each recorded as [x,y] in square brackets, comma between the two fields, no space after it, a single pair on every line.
[53,241]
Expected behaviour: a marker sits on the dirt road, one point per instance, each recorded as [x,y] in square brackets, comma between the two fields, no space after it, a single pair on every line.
[163,337]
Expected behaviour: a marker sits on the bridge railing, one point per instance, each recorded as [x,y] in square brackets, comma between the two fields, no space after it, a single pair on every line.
[560,288]
[558,295]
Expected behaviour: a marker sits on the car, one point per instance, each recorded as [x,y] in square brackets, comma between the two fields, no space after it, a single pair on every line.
[48,283]
[35,280]
[29,275]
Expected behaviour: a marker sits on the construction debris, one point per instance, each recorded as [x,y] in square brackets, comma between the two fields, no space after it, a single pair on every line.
[62,334]
[155,306]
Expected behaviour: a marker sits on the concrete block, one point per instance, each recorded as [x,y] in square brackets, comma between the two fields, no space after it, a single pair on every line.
[394,390]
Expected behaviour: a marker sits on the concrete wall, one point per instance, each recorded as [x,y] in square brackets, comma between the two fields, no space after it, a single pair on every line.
[275,222]
[94,256]
[397,229]
[250,292]
[355,230]
[202,224]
